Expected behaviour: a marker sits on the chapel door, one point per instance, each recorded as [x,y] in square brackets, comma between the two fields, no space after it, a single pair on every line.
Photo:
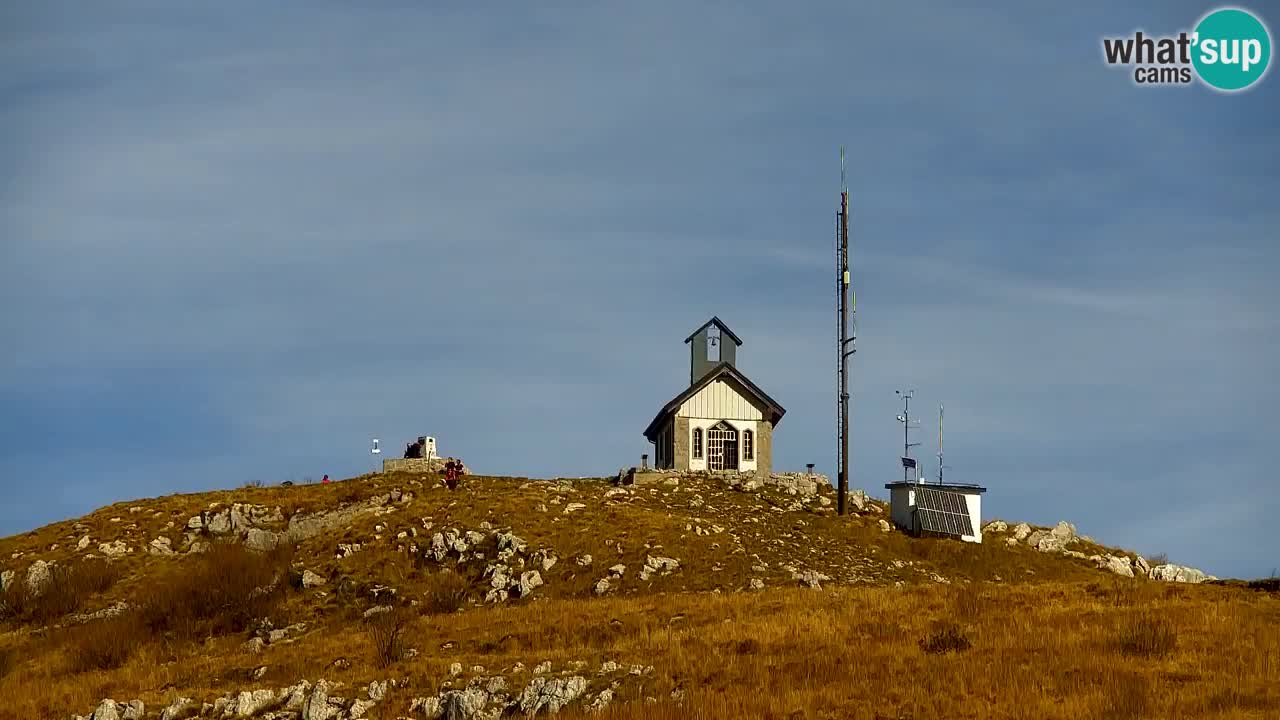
[722,447]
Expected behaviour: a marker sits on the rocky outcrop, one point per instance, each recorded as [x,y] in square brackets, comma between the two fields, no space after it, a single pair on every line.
[1179,573]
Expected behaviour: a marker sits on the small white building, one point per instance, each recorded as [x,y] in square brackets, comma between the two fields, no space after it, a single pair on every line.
[903,497]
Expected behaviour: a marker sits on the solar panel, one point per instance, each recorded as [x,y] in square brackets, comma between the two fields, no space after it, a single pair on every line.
[942,512]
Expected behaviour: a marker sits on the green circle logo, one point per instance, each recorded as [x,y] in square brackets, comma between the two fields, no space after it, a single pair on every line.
[1232,49]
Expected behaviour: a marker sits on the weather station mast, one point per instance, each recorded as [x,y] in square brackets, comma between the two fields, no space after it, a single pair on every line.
[847,333]
[909,464]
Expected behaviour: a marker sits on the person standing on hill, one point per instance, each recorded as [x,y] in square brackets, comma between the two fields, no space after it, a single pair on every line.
[325,479]
[451,474]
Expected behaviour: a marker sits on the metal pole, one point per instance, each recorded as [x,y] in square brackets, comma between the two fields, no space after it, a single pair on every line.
[843,282]
[939,443]
[906,439]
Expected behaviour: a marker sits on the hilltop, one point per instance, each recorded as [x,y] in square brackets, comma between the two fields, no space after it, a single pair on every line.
[389,596]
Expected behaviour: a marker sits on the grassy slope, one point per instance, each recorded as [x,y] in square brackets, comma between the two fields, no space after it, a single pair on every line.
[1048,633]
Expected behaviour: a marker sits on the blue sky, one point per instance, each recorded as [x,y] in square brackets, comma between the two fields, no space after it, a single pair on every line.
[238,242]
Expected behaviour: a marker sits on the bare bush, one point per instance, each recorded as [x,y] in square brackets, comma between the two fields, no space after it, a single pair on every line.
[387,633]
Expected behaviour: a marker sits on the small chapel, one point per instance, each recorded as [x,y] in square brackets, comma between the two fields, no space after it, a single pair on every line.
[723,421]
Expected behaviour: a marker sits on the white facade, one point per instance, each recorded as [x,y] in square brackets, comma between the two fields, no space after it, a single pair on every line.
[902,505]
[721,402]
[698,443]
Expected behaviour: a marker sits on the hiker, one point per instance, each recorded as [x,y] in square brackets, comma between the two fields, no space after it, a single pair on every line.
[325,480]
[451,474]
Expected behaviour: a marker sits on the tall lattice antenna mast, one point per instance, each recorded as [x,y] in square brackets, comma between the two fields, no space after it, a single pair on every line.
[845,339]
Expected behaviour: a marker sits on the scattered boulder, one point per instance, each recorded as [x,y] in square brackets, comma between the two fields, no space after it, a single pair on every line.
[1179,573]
[810,578]
[249,704]
[996,526]
[529,580]
[175,708]
[160,546]
[84,543]
[1142,566]
[311,580]
[1021,531]
[261,540]
[317,706]
[550,694]
[38,576]
[6,577]
[1119,565]
[885,526]
[756,584]
[658,566]
[114,549]
[858,498]
[106,711]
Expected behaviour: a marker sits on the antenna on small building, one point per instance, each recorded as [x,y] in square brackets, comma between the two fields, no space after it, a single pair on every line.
[908,463]
[940,465]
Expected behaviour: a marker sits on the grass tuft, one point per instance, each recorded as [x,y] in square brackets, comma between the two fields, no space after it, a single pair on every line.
[446,592]
[1147,635]
[946,637]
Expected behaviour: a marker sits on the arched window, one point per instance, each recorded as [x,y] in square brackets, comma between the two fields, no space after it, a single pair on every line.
[748,445]
[697,443]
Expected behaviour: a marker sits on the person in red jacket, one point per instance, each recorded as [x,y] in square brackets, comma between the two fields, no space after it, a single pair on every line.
[325,479]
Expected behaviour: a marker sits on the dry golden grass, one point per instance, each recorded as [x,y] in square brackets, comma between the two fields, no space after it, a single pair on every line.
[1035,651]
[1016,634]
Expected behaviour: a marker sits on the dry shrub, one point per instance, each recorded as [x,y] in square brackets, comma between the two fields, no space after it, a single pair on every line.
[223,590]
[69,586]
[1158,559]
[104,644]
[446,592]
[1147,635]
[387,633]
[946,637]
